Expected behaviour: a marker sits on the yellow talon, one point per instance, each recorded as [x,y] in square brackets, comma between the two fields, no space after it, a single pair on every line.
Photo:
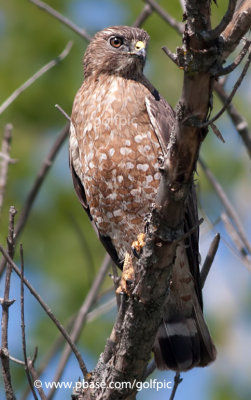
[127,275]
[138,244]
[128,270]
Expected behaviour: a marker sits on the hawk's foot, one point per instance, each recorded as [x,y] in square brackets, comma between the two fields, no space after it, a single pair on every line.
[138,244]
[127,276]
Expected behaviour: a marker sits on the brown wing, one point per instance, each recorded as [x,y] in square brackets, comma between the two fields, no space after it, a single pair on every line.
[182,342]
[161,114]
[105,240]
[162,117]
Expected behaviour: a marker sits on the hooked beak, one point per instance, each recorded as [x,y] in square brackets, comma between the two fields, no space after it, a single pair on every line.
[140,50]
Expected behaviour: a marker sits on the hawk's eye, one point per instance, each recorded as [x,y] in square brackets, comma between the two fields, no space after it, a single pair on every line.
[116,42]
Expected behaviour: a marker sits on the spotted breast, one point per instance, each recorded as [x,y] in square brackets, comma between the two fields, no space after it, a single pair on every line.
[114,152]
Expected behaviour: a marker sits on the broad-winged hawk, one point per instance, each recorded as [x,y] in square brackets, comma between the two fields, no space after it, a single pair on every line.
[114,153]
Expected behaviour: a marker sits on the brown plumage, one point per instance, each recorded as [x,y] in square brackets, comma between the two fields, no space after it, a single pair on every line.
[113,154]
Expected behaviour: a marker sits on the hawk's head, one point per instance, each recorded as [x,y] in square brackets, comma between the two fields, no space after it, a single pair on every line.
[119,50]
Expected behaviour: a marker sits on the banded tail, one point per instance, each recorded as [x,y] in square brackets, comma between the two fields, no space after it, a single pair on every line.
[183,340]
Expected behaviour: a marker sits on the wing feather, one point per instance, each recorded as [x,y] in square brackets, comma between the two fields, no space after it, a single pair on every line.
[80,191]
[162,118]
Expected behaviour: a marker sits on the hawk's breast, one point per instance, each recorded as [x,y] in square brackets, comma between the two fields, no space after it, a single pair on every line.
[114,152]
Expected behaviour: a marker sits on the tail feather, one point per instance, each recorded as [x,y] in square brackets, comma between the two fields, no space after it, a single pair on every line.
[183,340]
[183,344]
[208,350]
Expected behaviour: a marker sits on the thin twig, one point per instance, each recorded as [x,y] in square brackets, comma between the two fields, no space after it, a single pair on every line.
[239,122]
[189,233]
[178,26]
[229,99]
[48,312]
[228,206]
[80,31]
[46,165]
[145,13]
[5,310]
[59,341]
[63,112]
[4,161]
[237,27]
[34,378]
[7,158]
[177,381]
[81,319]
[23,325]
[35,355]
[16,360]
[236,62]
[217,133]
[34,77]
[236,239]
[171,55]
[209,259]
[101,310]
[214,33]
[85,248]
[183,5]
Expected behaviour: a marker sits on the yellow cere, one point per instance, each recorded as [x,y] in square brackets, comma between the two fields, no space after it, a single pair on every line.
[139,45]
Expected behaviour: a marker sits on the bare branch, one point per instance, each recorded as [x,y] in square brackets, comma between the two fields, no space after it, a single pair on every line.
[183,6]
[209,259]
[16,360]
[87,254]
[34,378]
[177,381]
[101,310]
[239,122]
[178,26]
[214,33]
[46,165]
[217,133]
[228,206]
[5,358]
[187,234]
[45,7]
[81,319]
[237,61]
[237,28]
[237,240]
[4,161]
[33,78]
[59,341]
[23,325]
[5,311]
[171,55]
[59,108]
[230,98]
[146,12]
[48,312]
